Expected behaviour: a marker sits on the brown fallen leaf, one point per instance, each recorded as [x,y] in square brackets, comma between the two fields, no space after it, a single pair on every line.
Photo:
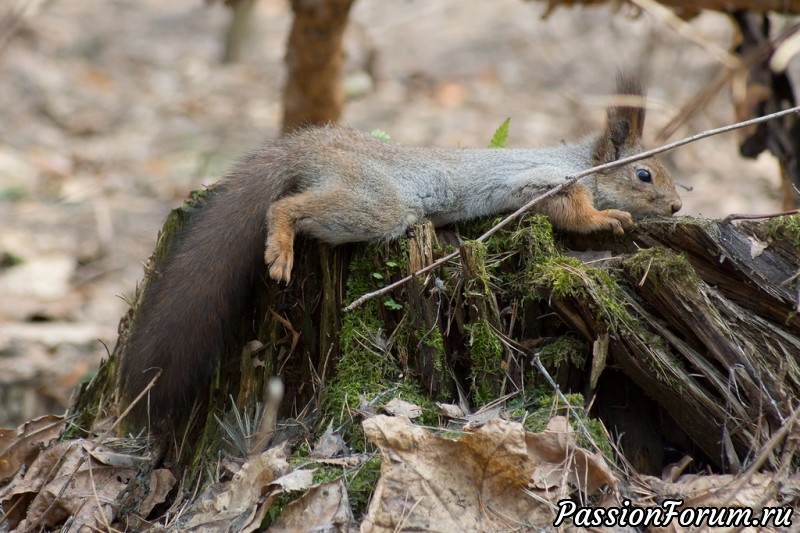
[558,458]
[323,508]
[242,503]
[329,444]
[398,407]
[475,483]
[63,483]
[449,410]
[21,446]
[161,483]
[756,491]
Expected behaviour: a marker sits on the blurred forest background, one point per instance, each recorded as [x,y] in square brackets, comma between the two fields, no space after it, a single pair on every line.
[110,112]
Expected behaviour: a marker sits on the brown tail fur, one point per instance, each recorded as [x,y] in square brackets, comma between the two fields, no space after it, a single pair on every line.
[203,282]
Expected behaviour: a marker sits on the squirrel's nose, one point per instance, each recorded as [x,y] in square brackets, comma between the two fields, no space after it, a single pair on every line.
[675,206]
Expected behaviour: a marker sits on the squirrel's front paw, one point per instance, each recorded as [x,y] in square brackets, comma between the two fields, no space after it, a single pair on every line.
[280,263]
[618,221]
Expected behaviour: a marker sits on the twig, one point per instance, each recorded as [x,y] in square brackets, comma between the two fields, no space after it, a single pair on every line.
[766,450]
[730,218]
[537,362]
[569,181]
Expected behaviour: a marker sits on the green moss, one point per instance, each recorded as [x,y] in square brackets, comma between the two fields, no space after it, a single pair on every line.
[472,229]
[598,435]
[567,277]
[786,226]
[534,237]
[562,350]
[366,367]
[486,354]
[535,411]
[477,285]
[360,481]
[663,266]
[361,484]
[433,339]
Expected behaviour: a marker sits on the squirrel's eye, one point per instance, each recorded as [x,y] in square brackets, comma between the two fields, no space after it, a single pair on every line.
[644,175]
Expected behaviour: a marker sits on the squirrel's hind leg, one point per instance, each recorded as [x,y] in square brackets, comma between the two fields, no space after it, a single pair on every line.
[333,216]
[279,252]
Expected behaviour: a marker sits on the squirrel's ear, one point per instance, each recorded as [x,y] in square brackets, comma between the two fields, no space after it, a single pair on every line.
[625,120]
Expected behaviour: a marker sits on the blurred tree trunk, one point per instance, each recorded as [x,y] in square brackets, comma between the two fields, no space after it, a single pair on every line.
[313,94]
[238,30]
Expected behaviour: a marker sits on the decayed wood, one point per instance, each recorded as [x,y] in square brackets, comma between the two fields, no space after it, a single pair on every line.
[481,313]
[728,371]
[721,255]
[424,317]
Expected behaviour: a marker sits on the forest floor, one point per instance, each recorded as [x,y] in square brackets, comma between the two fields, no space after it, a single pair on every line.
[111,112]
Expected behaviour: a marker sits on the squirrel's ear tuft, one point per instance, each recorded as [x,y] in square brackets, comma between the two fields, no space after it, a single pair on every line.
[625,120]
[628,112]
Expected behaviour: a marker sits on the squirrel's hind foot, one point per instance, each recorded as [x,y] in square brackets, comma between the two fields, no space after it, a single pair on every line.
[280,262]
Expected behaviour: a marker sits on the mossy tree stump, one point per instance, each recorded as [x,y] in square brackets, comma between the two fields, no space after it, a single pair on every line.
[683,335]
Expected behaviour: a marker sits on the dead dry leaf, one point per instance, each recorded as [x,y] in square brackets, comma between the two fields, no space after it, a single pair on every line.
[329,444]
[161,483]
[295,480]
[476,483]
[722,490]
[558,459]
[20,446]
[449,410]
[87,500]
[323,508]
[398,407]
[241,503]
[484,414]
[755,492]
[109,457]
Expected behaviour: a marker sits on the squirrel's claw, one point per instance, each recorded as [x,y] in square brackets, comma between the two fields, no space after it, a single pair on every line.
[618,221]
[280,263]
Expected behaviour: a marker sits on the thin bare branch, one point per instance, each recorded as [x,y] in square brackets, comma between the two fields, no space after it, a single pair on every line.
[569,180]
[730,218]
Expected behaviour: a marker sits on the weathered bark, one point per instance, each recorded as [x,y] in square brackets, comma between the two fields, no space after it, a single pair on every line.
[728,371]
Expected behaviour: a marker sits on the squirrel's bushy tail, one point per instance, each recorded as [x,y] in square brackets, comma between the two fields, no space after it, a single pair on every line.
[201,286]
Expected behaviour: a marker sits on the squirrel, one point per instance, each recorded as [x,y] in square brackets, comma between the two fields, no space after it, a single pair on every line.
[339,185]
